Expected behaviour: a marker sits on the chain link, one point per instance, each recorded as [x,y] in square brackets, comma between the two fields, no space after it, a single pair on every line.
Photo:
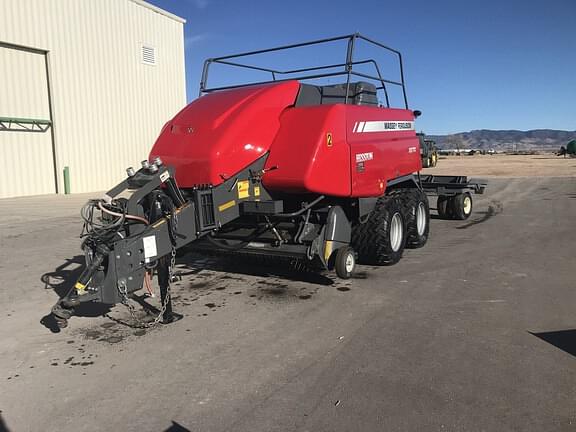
[123,289]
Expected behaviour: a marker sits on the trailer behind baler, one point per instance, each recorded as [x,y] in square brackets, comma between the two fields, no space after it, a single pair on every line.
[325,174]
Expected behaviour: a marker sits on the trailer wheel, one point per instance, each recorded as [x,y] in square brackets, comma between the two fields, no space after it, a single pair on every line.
[462,206]
[417,219]
[345,262]
[444,207]
[382,238]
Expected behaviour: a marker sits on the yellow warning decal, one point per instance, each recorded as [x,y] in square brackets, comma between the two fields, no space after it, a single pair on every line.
[243,189]
[257,191]
[328,246]
[226,205]
[329,139]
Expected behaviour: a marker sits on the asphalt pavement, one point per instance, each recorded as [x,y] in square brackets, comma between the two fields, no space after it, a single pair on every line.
[474,332]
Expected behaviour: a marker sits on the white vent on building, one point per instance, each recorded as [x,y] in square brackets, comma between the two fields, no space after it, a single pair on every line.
[148,55]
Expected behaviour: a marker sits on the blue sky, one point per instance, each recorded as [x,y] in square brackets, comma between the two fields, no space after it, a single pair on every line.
[507,64]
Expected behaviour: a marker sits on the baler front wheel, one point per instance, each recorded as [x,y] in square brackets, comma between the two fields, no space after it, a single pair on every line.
[345,262]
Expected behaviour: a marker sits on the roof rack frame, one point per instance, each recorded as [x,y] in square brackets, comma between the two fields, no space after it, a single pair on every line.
[311,72]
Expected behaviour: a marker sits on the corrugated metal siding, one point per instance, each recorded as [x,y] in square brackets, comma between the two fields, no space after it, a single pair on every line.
[27,166]
[108,105]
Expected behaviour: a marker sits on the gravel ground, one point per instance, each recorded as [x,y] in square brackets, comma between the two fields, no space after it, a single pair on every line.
[501,165]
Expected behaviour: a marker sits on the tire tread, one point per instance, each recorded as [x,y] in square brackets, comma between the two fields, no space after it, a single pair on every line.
[370,240]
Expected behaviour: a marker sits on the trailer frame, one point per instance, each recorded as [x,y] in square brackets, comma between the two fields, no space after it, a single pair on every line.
[451,184]
[454,194]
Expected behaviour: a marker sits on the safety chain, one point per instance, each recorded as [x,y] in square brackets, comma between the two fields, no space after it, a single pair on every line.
[122,288]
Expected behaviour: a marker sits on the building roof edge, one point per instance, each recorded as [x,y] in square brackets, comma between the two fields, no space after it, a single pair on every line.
[159,10]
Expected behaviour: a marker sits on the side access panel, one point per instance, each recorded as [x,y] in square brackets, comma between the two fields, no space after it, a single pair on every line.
[383,146]
[310,152]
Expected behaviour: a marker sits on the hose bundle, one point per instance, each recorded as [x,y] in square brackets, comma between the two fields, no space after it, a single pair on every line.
[104,226]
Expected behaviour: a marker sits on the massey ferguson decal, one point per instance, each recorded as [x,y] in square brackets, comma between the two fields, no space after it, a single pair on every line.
[363,157]
[383,126]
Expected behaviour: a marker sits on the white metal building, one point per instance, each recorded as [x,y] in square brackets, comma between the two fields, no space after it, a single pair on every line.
[84,84]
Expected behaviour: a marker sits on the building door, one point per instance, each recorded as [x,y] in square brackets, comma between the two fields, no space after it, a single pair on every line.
[26,140]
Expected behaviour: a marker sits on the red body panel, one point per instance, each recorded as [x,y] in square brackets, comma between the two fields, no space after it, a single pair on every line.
[337,150]
[308,163]
[221,133]
[306,160]
[394,152]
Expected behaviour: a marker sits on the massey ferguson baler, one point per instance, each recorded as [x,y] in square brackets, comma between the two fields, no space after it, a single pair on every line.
[325,174]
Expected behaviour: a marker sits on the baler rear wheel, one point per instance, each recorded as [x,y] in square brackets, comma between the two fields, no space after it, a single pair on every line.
[417,219]
[382,238]
[345,262]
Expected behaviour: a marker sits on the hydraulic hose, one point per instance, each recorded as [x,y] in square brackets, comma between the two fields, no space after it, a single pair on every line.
[302,210]
[127,216]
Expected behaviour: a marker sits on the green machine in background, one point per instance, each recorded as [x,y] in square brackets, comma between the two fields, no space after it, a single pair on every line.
[428,151]
[569,150]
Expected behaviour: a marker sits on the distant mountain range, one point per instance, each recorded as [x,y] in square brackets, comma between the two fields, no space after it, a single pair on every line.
[538,139]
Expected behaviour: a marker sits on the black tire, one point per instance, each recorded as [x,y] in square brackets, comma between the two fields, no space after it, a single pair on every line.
[462,206]
[372,239]
[345,262]
[417,219]
[444,208]
[425,163]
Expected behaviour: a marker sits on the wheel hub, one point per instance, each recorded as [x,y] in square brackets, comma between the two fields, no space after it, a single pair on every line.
[350,262]
[421,218]
[396,232]
[467,205]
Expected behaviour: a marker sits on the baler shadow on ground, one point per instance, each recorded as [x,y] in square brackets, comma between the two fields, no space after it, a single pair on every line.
[3,427]
[192,266]
[561,339]
[289,270]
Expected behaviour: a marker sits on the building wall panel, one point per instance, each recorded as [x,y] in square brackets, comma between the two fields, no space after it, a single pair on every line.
[108,106]
[27,164]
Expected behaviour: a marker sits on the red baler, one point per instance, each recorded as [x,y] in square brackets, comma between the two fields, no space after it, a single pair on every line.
[325,174]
